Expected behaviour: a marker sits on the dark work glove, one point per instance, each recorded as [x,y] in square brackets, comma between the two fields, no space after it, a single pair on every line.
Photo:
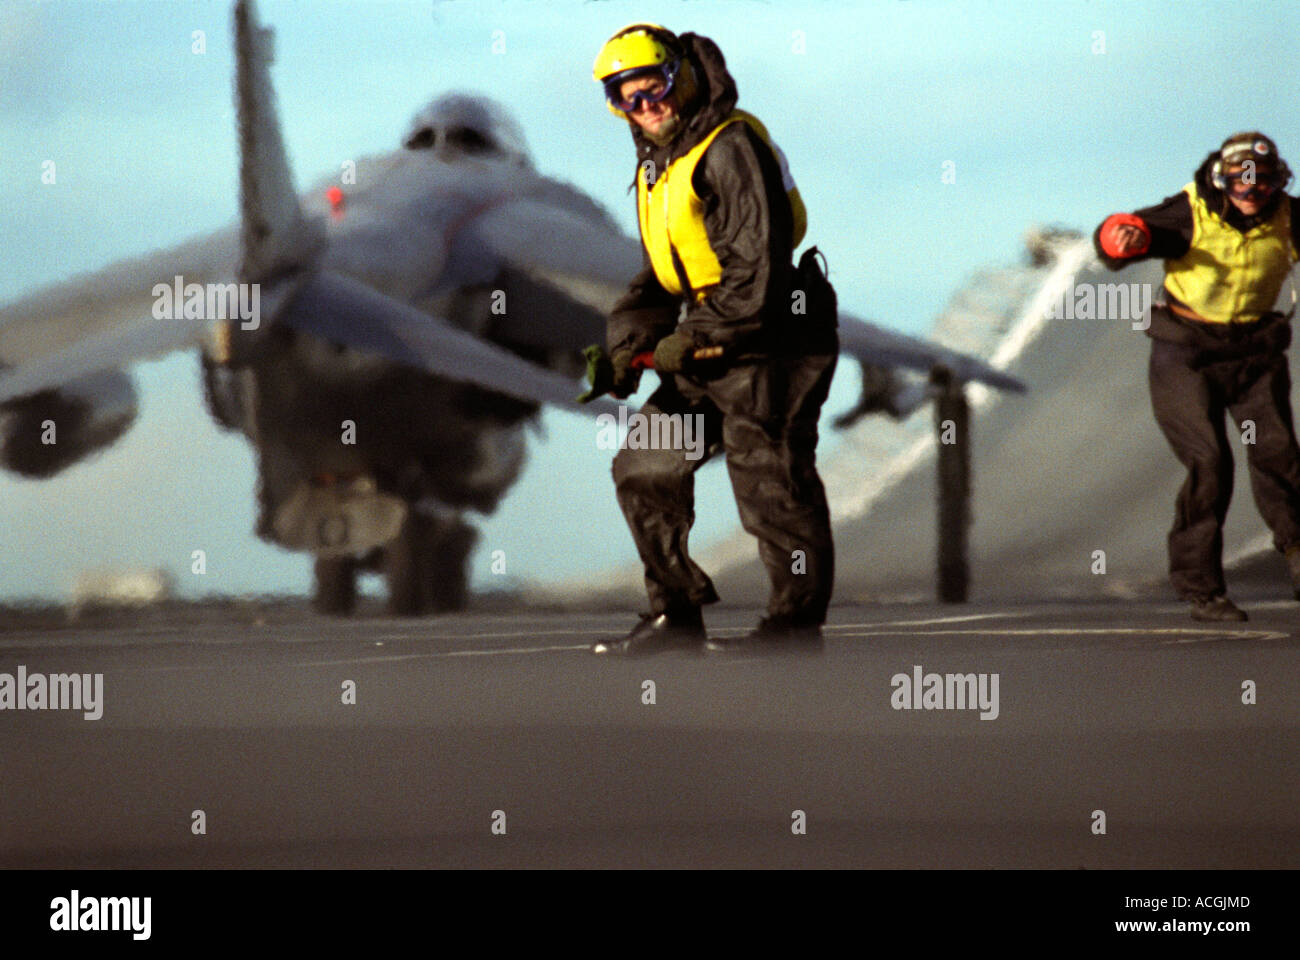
[674,353]
[626,376]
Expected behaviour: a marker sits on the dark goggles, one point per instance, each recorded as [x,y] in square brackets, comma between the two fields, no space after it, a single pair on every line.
[1244,182]
[666,72]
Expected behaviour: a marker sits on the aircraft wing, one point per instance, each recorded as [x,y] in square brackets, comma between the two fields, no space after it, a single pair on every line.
[873,344]
[879,352]
[108,350]
[573,247]
[345,311]
[50,332]
[334,308]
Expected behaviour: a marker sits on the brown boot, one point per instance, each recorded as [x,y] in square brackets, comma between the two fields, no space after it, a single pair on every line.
[683,631]
[773,635]
[1217,609]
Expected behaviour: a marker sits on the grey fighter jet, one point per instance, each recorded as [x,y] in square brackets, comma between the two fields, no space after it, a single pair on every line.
[382,340]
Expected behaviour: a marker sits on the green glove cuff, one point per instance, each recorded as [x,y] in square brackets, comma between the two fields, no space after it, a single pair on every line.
[600,374]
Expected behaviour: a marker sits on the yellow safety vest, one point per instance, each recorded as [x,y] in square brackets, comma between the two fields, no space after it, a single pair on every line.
[671,215]
[1227,276]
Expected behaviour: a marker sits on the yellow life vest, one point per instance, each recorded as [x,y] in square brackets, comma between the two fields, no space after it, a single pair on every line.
[671,215]
[1227,276]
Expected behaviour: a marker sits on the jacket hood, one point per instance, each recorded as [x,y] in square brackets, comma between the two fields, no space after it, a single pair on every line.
[714,99]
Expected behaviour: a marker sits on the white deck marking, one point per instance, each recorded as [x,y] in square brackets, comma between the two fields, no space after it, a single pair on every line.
[350,661]
[443,653]
[966,618]
[1211,633]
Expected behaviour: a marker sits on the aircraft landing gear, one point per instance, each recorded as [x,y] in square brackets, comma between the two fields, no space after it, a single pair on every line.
[426,565]
[336,585]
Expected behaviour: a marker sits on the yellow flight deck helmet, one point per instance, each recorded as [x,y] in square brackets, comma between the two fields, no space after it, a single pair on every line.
[637,49]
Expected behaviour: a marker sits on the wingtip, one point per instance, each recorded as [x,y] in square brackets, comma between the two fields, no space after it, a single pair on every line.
[1002,381]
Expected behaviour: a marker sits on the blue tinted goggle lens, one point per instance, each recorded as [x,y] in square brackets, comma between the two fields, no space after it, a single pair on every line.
[668,73]
[1263,181]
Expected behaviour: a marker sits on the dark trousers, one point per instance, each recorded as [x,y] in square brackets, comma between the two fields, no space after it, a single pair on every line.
[764,415]
[1191,388]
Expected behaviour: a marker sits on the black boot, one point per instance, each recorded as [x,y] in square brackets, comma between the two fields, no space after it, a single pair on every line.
[658,634]
[1293,568]
[779,635]
[1217,609]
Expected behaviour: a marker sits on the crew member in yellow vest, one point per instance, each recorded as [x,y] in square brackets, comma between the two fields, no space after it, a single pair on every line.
[742,341]
[1229,240]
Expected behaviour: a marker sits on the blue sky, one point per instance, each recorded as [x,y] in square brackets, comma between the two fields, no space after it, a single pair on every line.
[1051,111]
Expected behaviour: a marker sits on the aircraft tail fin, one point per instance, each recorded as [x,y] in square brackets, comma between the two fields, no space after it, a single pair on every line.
[276,238]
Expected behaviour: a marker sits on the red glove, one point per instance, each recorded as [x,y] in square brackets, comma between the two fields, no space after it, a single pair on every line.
[1116,227]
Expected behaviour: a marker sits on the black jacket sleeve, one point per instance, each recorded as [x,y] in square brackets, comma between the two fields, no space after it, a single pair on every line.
[749,223]
[644,315]
[1170,223]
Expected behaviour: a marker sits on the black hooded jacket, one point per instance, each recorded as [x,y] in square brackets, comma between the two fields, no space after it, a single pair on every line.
[747,217]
